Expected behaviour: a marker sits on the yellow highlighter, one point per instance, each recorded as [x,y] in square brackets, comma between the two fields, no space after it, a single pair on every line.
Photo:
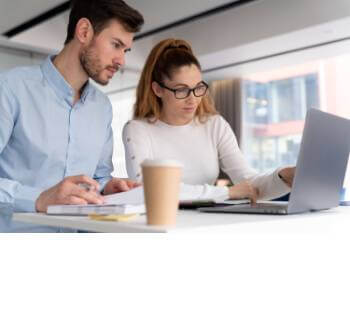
[113,218]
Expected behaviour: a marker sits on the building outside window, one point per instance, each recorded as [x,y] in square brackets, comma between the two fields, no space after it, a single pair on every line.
[274,113]
[275,104]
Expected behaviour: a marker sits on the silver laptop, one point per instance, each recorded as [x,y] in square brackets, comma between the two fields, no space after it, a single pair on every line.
[320,170]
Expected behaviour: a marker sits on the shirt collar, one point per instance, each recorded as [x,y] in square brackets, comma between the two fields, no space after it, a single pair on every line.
[62,88]
[87,89]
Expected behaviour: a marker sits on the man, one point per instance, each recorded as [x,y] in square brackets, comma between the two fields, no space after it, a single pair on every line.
[55,126]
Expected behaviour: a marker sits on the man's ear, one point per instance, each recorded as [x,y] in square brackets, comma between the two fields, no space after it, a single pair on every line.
[157,89]
[84,31]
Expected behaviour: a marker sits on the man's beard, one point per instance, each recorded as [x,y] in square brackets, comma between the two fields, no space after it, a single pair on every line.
[91,64]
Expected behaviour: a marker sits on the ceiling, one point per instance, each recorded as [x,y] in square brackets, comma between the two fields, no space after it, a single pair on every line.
[11,16]
[256,30]
[51,34]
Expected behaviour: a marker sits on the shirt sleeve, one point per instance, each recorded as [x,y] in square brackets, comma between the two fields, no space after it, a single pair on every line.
[21,198]
[203,192]
[104,169]
[233,163]
[137,148]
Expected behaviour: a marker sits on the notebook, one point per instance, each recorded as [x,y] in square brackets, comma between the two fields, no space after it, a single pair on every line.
[320,169]
[95,209]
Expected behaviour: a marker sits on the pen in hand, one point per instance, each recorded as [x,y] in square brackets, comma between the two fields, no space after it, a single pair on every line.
[87,187]
[91,188]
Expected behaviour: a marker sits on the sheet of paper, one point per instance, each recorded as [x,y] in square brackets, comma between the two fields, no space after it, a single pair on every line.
[133,201]
[187,192]
[132,197]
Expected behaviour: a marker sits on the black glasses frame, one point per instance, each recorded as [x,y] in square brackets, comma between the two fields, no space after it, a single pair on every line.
[189,90]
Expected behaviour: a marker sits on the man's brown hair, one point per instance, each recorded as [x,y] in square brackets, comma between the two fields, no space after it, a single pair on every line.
[100,13]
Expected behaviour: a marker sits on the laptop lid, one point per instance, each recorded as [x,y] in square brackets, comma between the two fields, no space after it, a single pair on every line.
[320,169]
[322,162]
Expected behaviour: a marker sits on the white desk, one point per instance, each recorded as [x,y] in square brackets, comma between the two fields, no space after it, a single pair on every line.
[337,219]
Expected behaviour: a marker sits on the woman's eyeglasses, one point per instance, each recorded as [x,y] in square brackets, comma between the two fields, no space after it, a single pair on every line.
[181,93]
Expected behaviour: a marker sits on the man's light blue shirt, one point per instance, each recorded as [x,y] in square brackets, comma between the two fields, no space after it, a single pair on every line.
[45,138]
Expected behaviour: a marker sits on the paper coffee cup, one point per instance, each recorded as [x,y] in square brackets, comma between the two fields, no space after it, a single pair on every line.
[161,179]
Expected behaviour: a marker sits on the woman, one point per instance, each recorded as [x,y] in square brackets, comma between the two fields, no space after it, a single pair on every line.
[175,119]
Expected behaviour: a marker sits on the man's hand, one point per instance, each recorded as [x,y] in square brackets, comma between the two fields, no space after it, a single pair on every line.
[68,192]
[116,185]
[287,175]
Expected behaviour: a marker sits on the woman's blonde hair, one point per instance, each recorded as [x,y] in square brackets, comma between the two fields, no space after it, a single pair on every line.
[167,56]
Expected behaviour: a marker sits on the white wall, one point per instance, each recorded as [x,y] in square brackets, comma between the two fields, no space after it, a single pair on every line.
[10,58]
[13,54]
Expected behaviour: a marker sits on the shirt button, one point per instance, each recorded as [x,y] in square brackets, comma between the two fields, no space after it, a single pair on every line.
[133,157]
[128,139]
[138,175]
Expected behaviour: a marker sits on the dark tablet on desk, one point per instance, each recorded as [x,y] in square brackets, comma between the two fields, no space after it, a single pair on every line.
[194,204]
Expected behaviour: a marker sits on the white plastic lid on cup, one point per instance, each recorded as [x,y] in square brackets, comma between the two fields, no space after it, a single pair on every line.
[161,163]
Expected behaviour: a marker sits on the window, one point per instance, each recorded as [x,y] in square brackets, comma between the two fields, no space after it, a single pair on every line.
[274,113]
[275,104]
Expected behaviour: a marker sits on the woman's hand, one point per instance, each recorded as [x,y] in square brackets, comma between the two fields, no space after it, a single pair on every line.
[243,190]
[287,175]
